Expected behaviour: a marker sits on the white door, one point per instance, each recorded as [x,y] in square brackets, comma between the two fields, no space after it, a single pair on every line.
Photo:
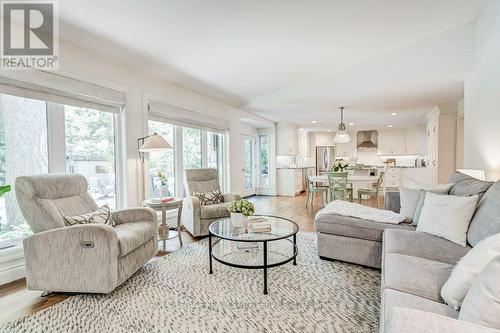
[248,165]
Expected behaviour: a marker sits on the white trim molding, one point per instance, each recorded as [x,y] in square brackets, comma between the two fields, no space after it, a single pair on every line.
[12,264]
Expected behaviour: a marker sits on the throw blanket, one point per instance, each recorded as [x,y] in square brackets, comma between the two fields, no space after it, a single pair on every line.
[346,208]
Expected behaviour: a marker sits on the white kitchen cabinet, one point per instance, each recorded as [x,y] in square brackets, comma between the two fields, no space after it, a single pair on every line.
[287,139]
[441,134]
[304,144]
[290,181]
[411,141]
[420,175]
[415,141]
[391,178]
[391,143]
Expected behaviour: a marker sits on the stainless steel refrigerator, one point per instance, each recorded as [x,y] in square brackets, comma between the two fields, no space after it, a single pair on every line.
[325,156]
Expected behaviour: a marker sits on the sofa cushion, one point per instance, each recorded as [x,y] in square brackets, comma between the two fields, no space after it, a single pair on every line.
[467,270]
[482,304]
[422,245]
[214,211]
[447,216]
[394,298]
[486,221]
[466,185]
[134,234]
[414,275]
[355,227]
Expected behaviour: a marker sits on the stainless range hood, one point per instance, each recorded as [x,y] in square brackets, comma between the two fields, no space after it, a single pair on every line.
[367,139]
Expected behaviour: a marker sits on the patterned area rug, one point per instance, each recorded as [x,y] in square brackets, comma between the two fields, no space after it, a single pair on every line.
[176,294]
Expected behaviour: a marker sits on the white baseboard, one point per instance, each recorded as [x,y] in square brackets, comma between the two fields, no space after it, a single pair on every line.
[12,266]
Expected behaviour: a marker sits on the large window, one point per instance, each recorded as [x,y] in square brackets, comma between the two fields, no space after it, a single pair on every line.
[161,164]
[23,151]
[192,148]
[37,137]
[90,151]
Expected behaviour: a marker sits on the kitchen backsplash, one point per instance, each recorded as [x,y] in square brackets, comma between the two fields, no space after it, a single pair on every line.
[366,157]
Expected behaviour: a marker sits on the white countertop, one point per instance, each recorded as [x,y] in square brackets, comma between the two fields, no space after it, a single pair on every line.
[354,178]
[301,167]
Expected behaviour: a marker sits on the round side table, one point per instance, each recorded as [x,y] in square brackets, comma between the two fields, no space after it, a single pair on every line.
[164,207]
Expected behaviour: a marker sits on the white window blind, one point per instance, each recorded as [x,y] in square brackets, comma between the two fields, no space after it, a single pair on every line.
[186,118]
[64,90]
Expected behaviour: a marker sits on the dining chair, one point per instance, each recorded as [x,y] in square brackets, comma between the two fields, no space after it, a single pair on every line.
[349,189]
[374,191]
[337,185]
[312,189]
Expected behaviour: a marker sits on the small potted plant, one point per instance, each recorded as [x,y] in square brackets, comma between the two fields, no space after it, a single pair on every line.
[240,210]
[340,165]
[163,187]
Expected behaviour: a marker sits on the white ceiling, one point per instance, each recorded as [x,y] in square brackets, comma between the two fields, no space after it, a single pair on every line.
[288,60]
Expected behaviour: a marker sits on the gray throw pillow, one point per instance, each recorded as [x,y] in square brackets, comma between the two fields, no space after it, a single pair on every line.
[418,210]
[481,305]
[486,221]
[466,185]
[210,198]
[409,199]
[101,215]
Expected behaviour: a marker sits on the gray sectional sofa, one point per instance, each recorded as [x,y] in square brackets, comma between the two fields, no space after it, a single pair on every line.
[414,265]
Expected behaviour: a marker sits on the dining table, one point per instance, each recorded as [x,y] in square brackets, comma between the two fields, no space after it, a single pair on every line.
[350,178]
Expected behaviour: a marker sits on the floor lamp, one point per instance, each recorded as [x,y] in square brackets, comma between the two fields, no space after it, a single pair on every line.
[149,144]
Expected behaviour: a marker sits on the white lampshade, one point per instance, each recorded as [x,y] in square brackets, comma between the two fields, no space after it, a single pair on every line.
[155,143]
[476,173]
[342,137]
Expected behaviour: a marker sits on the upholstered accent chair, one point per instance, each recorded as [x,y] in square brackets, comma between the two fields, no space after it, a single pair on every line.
[197,218]
[90,258]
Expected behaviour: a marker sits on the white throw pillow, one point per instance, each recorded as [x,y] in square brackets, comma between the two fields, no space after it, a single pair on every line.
[482,303]
[408,198]
[447,216]
[436,188]
[466,270]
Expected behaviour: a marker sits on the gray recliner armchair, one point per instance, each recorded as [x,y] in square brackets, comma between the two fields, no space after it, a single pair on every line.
[91,258]
[197,218]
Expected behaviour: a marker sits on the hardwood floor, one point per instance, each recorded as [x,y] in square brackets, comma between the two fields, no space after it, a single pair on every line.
[16,300]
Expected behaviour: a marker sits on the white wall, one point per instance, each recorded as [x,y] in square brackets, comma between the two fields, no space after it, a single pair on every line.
[87,66]
[460,136]
[482,97]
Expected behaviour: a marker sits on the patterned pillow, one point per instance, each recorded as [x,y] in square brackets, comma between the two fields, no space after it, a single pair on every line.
[210,198]
[101,215]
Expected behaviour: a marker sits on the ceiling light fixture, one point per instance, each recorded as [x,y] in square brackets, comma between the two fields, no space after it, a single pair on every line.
[394,113]
[314,121]
[389,125]
[351,124]
[342,136]
[328,131]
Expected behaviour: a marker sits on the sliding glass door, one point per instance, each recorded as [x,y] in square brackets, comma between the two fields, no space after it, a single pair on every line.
[263,160]
[248,165]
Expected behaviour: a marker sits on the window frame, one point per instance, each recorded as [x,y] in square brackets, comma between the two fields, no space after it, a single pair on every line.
[56,149]
[178,145]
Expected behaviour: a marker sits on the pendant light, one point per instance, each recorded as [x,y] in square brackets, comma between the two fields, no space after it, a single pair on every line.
[342,136]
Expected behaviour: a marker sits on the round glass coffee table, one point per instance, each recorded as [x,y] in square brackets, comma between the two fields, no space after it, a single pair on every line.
[234,247]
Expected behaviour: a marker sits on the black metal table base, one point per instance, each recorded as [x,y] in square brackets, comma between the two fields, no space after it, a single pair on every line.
[265,265]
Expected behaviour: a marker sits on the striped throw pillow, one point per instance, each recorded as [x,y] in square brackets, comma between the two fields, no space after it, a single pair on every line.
[210,198]
[101,215]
